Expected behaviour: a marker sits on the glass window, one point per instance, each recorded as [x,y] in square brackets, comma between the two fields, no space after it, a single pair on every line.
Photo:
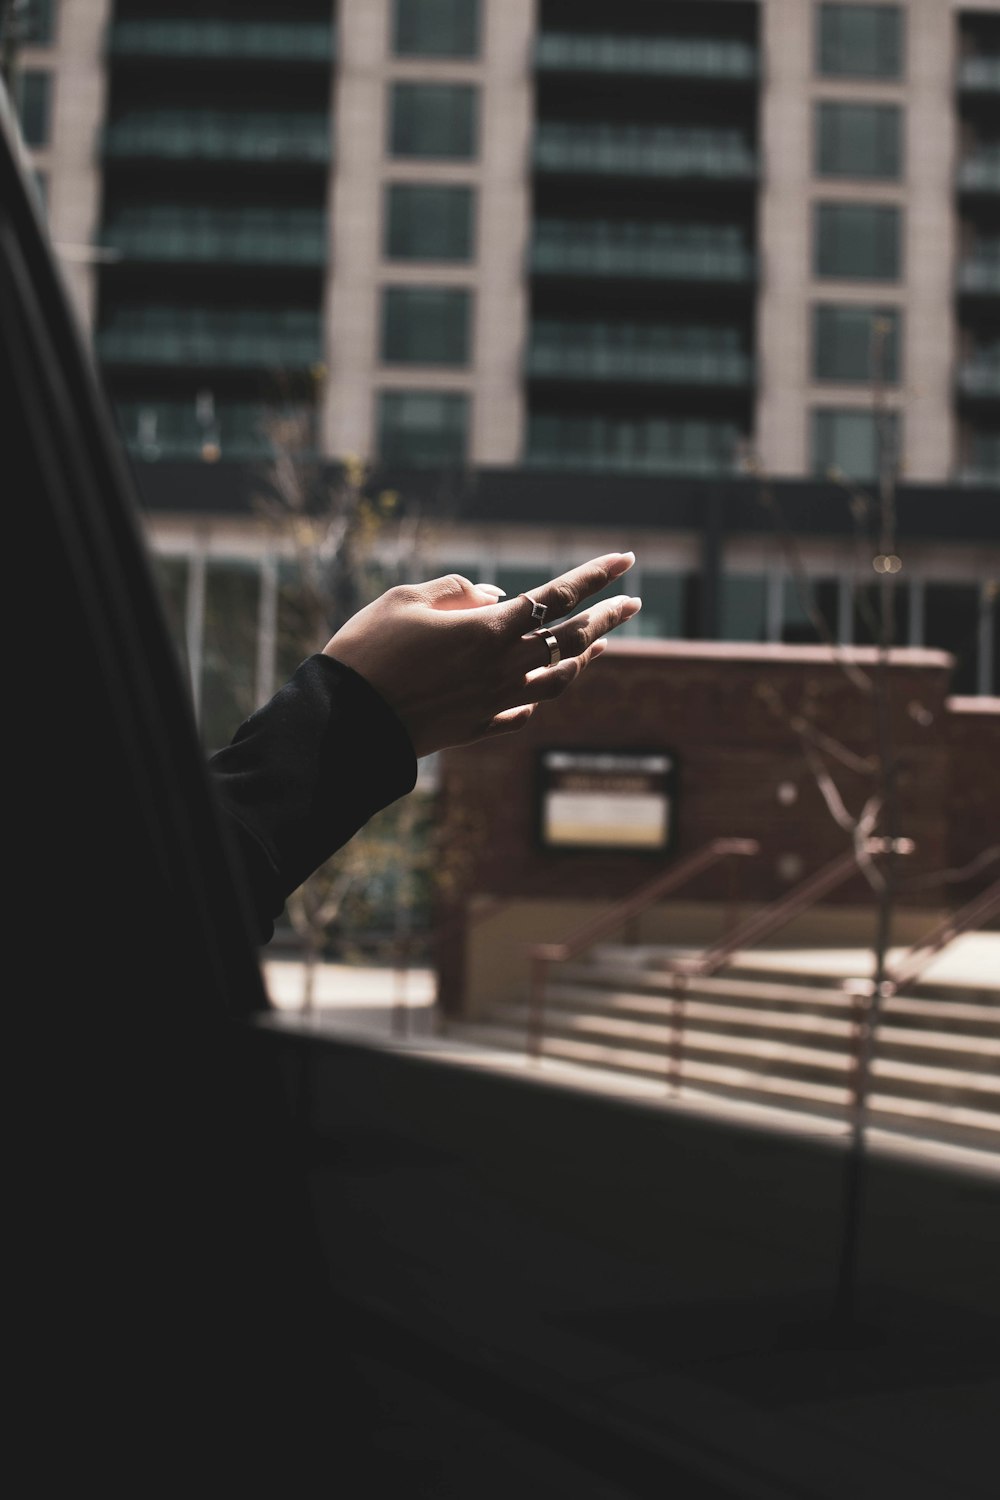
[229,650]
[429,222]
[859,241]
[171,575]
[41,182]
[952,623]
[36,22]
[436,28]
[743,607]
[867,613]
[425,325]
[858,140]
[34,91]
[860,41]
[809,610]
[434,119]
[423,428]
[849,442]
[855,343]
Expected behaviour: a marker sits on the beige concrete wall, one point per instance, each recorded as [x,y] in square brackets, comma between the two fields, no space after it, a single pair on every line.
[72,161]
[362,170]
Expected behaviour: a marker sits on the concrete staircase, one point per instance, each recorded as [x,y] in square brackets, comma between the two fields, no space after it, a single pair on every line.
[775,1035]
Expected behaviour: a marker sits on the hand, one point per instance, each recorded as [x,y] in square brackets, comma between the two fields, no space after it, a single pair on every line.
[456,663]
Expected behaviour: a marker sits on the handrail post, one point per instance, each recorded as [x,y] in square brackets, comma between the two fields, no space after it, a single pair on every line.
[536,1004]
[678,1001]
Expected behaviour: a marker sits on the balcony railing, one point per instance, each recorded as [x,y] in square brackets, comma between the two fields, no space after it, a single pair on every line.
[157,430]
[661,366]
[980,275]
[980,377]
[218,136]
[671,57]
[980,174]
[977,474]
[644,151]
[190,337]
[637,251]
[980,75]
[286,41]
[655,446]
[285,241]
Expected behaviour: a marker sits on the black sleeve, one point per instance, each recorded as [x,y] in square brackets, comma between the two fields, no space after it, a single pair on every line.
[303,774]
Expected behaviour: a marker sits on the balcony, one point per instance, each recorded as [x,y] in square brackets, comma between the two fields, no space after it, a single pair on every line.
[283,42]
[633,446]
[980,275]
[560,359]
[198,236]
[620,248]
[157,430]
[980,378]
[979,75]
[644,151]
[665,57]
[210,135]
[980,173]
[203,337]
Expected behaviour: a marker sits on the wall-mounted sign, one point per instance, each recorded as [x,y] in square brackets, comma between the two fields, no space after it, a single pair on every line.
[606,799]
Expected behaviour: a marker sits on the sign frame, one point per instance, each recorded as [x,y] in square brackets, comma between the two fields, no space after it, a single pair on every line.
[610,754]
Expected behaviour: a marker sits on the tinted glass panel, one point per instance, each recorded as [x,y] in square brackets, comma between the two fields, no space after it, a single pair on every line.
[426,222]
[433,119]
[743,612]
[860,41]
[853,343]
[857,240]
[952,623]
[425,326]
[664,612]
[867,606]
[172,577]
[809,610]
[423,428]
[34,94]
[858,140]
[36,22]
[229,650]
[436,28]
[849,442]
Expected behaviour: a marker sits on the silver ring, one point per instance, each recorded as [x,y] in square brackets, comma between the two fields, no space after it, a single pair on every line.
[538,610]
[555,655]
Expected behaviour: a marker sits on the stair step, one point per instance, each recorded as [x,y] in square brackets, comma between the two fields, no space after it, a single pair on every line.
[836,1018]
[765,1054]
[935,1116]
[982,1054]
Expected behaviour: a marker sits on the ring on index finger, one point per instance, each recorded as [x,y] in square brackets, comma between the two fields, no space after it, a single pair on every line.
[538,610]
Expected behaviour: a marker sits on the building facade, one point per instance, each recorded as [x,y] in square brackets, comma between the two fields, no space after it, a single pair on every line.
[712,279]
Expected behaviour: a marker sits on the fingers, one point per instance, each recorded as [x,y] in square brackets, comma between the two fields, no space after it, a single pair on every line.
[562,595]
[574,636]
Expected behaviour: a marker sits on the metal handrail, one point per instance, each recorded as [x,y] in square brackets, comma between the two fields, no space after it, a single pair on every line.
[915,961]
[779,913]
[542,955]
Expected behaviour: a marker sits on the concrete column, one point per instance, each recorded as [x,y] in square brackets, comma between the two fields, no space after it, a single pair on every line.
[503,231]
[73,161]
[784,236]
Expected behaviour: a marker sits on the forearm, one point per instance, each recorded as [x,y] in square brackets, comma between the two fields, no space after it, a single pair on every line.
[303,774]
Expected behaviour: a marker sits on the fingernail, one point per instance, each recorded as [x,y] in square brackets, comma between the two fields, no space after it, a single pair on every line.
[492,588]
[636,603]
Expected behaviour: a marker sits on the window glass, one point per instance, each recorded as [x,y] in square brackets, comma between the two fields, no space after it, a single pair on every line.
[860,41]
[850,343]
[171,574]
[34,91]
[849,442]
[951,623]
[425,325]
[858,140]
[429,222]
[857,241]
[36,22]
[809,610]
[867,612]
[423,428]
[436,28]
[434,119]
[229,649]
[743,607]
[663,613]
[41,182]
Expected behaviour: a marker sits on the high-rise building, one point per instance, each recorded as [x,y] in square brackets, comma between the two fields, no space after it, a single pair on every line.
[691,276]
